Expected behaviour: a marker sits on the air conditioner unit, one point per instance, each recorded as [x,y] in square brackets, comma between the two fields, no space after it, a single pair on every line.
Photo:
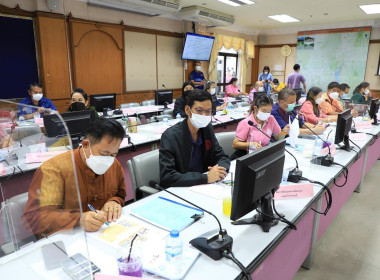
[205,16]
[146,7]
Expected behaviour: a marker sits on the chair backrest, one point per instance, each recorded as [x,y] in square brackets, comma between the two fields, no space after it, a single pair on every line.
[148,102]
[225,140]
[144,168]
[14,230]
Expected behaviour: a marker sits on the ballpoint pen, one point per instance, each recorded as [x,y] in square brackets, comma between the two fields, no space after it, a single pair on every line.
[93,209]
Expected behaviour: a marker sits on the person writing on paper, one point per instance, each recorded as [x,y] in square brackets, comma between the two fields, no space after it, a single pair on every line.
[249,138]
[330,104]
[266,77]
[53,199]
[35,98]
[258,87]
[362,94]
[189,148]
[232,89]
[310,110]
[277,86]
[284,109]
[180,102]
[197,77]
[210,87]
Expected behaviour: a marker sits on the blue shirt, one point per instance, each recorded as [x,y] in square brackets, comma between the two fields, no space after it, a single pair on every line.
[196,162]
[282,117]
[197,77]
[25,110]
[265,77]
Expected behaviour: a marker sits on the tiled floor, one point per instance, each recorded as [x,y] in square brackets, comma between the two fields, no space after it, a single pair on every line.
[350,247]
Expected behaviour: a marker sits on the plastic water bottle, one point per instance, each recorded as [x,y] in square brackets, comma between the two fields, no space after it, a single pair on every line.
[21,120]
[178,117]
[318,144]
[174,247]
[230,106]
[149,103]
[131,105]
[165,120]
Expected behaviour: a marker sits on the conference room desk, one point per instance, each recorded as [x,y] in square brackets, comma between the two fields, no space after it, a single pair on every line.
[274,255]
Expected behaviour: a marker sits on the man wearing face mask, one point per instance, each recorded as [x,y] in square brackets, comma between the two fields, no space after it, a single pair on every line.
[210,87]
[189,148]
[330,104]
[196,76]
[258,87]
[35,98]
[53,200]
[284,109]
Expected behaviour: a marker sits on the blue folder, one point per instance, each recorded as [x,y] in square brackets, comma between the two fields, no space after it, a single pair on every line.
[167,214]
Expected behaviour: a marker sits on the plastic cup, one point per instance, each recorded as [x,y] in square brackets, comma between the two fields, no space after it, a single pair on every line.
[131,268]
[227,202]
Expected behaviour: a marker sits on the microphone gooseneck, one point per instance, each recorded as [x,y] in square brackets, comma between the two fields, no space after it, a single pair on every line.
[328,101]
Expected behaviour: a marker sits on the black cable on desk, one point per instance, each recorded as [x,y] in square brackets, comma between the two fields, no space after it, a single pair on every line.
[345,175]
[282,217]
[238,263]
[328,201]
[360,150]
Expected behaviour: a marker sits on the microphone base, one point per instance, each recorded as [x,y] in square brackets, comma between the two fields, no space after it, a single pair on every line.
[212,247]
[294,176]
[323,160]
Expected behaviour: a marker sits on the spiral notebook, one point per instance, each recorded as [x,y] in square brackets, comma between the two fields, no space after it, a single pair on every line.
[167,214]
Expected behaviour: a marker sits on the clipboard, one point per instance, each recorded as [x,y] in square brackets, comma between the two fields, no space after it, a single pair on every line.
[167,214]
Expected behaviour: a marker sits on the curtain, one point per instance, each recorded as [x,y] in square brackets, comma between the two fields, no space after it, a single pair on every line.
[239,45]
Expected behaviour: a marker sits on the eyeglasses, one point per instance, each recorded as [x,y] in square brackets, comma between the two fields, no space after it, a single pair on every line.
[200,111]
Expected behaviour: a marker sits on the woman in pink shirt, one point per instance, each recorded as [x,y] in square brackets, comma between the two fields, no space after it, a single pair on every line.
[232,90]
[310,110]
[248,137]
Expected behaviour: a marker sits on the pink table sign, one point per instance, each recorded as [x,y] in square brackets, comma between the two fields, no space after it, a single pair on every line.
[129,111]
[39,121]
[224,118]
[41,157]
[294,191]
[325,151]
[2,169]
[363,125]
[358,136]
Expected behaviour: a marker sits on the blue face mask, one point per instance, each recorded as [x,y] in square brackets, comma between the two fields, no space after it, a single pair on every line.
[343,96]
[290,107]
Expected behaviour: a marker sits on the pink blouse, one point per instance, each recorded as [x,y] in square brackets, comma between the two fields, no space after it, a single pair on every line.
[230,89]
[308,113]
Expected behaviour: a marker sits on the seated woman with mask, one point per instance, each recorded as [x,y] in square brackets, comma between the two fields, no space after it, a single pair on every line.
[247,136]
[210,86]
[181,102]
[79,102]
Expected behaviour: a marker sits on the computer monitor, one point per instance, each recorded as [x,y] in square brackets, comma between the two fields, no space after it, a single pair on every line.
[102,101]
[373,110]
[343,127]
[76,122]
[163,97]
[258,176]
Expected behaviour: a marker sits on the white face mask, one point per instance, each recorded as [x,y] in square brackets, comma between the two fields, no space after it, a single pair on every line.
[37,96]
[199,121]
[265,72]
[213,91]
[366,92]
[262,116]
[261,89]
[99,164]
[319,100]
[198,68]
[334,95]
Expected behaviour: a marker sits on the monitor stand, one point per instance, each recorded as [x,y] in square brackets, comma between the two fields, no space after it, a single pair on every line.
[375,120]
[267,220]
[346,141]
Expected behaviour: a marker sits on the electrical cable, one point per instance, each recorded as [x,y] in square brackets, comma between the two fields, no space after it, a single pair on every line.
[345,175]
[360,150]
[328,201]
[283,219]
[238,263]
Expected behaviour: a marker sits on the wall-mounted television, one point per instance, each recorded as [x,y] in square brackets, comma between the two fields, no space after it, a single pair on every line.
[197,47]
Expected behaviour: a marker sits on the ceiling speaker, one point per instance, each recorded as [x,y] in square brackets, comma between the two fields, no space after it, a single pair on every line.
[53,4]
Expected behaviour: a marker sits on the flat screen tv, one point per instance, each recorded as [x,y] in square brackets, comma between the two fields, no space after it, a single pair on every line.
[197,47]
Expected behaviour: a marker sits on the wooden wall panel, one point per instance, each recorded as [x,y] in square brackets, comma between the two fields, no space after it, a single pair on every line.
[55,64]
[97,51]
[255,65]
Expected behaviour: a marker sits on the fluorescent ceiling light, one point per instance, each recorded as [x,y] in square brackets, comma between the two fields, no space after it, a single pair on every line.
[229,3]
[284,18]
[249,2]
[370,9]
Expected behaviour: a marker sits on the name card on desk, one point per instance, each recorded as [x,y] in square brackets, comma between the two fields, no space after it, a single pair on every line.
[325,151]
[39,121]
[363,125]
[129,111]
[99,276]
[2,169]
[171,106]
[294,191]
[6,125]
[223,118]
[358,136]
[41,157]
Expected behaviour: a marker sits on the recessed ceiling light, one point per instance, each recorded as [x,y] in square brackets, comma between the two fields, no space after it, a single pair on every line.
[370,9]
[284,18]
[237,3]
[230,3]
[248,2]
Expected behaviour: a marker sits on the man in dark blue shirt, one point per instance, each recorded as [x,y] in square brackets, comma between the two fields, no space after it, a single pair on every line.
[189,148]
[35,98]
[197,77]
[284,109]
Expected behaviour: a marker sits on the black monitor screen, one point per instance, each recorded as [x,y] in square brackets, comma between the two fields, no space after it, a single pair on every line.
[163,97]
[102,101]
[374,109]
[76,122]
[343,127]
[257,174]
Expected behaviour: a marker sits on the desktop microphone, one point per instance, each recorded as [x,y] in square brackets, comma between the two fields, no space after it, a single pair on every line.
[326,160]
[328,101]
[213,247]
[295,174]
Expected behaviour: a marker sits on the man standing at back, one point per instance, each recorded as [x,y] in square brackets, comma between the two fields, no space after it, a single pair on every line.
[189,148]
[197,77]
[295,79]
